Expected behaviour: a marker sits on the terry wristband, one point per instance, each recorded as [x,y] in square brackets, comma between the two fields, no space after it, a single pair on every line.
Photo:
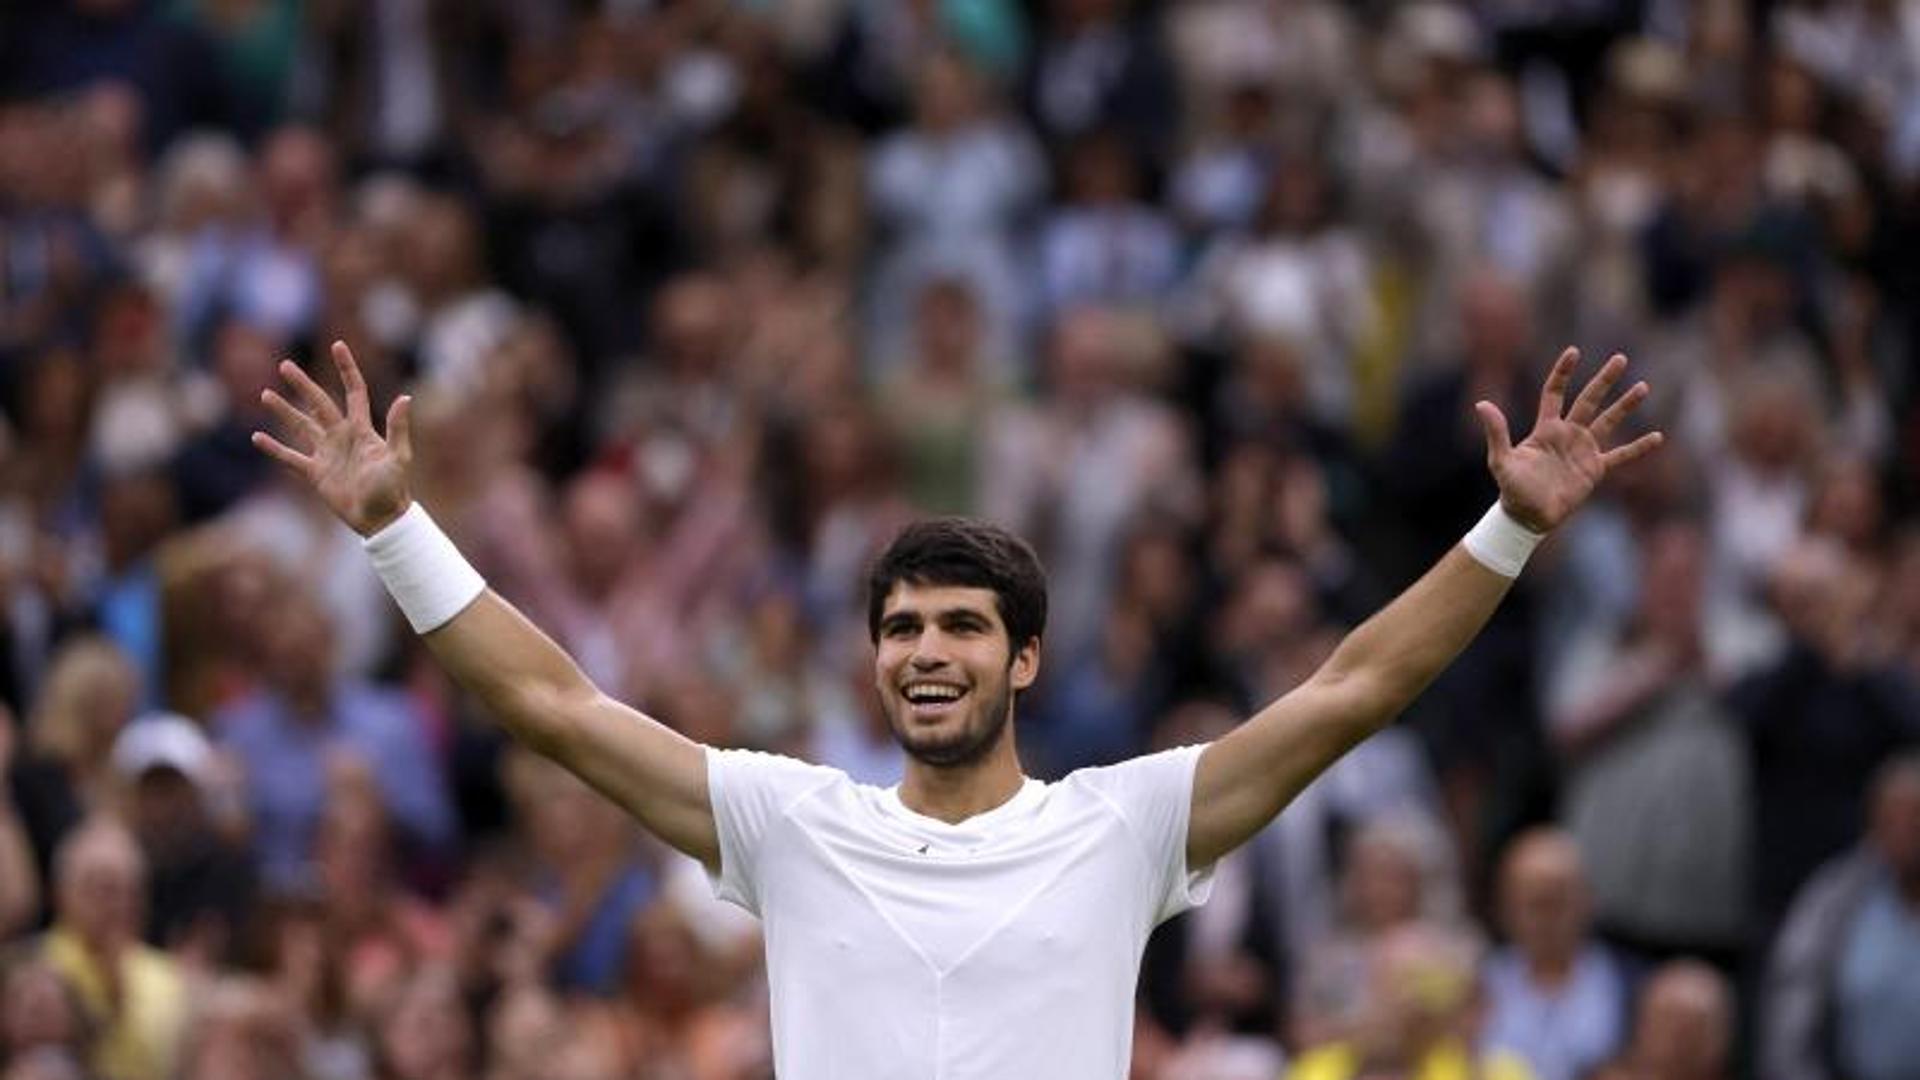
[1500,543]
[428,577]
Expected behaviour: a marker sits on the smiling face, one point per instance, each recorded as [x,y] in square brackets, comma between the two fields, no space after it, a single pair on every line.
[946,672]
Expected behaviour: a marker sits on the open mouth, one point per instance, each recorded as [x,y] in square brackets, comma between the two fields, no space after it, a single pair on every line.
[929,700]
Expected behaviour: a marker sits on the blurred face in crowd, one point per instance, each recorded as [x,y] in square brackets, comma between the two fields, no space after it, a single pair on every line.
[1101,172]
[166,809]
[425,1032]
[36,1009]
[1493,320]
[136,512]
[1670,589]
[948,327]
[1082,361]
[1382,883]
[297,176]
[1296,198]
[949,96]
[89,695]
[1420,990]
[691,322]
[243,359]
[300,647]
[565,821]
[442,249]
[245,1032]
[100,877]
[1847,506]
[1543,898]
[1683,1024]
[55,404]
[1894,830]
[351,850]
[601,518]
[665,961]
[947,672]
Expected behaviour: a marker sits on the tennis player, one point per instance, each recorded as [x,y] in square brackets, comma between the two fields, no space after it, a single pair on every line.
[971,923]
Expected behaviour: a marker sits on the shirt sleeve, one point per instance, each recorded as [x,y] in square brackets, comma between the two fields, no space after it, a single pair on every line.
[751,793]
[1154,794]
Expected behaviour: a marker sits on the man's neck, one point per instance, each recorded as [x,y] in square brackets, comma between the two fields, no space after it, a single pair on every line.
[955,794]
[1550,972]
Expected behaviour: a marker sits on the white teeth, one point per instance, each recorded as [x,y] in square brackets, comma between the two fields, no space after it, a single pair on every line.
[927,693]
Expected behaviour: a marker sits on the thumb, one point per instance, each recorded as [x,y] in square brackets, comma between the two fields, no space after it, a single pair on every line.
[400,428]
[1494,424]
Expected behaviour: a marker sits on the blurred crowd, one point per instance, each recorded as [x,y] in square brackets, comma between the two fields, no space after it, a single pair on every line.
[701,299]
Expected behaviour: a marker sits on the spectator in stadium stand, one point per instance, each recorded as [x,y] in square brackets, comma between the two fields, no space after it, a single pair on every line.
[134,995]
[1647,741]
[1104,244]
[56,259]
[1554,996]
[1099,66]
[60,771]
[777,833]
[266,270]
[1217,969]
[423,1030]
[1397,871]
[1843,984]
[19,877]
[241,1029]
[936,400]
[184,806]
[39,1012]
[585,870]
[951,193]
[1821,717]
[1419,1016]
[1076,467]
[288,732]
[213,469]
[1683,1026]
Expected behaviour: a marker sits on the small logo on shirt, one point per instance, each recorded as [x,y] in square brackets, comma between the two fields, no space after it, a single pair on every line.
[922,850]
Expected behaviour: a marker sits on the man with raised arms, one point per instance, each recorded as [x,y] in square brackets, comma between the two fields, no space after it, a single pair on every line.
[971,923]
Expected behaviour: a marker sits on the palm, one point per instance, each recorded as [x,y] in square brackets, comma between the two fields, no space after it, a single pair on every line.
[1551,473]
[359,475]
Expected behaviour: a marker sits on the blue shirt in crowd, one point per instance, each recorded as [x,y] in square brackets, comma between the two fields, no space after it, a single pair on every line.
[286,763]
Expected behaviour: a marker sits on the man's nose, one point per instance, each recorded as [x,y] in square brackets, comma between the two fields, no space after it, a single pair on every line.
[928,653]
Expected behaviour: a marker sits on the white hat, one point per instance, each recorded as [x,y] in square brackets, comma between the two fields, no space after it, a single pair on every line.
[163,740]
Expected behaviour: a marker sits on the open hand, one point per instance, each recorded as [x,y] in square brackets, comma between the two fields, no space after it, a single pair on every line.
[1548,476]
[359,475]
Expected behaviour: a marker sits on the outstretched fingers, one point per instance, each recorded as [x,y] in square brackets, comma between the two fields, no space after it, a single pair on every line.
[1607,422]
[1638,448]
[400,429]
[293,418]
[282,453]
[359,408]
[1494,423]
[319,405]
[1587,405]
[1553,396]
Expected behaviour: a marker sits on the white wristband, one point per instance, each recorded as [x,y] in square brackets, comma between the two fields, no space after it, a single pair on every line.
[1500,543]
[428,577]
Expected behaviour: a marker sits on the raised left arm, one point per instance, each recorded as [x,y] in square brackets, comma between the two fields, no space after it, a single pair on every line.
[1246,777]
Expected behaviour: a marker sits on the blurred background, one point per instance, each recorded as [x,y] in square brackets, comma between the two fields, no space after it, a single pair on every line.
[702,299]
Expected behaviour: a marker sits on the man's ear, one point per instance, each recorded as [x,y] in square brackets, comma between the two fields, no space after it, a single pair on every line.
[1026,664]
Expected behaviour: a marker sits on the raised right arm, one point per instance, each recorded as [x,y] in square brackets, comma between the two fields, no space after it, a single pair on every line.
[525,680]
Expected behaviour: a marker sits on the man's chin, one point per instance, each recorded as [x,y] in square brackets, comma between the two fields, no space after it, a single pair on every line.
[949,751]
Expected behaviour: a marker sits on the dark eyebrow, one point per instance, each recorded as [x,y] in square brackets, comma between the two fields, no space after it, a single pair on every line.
[964,615]
[899,619]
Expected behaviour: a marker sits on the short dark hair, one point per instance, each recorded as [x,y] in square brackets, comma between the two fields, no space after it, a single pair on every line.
[970,553]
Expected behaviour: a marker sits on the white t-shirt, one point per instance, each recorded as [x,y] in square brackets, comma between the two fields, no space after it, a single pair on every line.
[904,948]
